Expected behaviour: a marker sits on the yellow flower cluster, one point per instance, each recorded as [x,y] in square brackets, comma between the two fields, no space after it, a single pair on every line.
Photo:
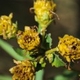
[43,11]
[29,39]
[24,70]
[7,28]
[69,48]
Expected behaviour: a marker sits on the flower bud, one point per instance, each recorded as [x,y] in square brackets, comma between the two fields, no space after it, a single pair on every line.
[28,39]
[43,12]
[7,27]
[69,48]
[24,70]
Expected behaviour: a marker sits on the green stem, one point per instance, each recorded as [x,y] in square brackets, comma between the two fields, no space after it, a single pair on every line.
[39,75]
[41,30]
[51,50]
[9,49]
[2,77]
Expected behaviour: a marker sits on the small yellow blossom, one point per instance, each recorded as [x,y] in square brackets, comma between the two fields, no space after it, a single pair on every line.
[43,10]
[7,28]
[24,70]
[29,39]
[69,48]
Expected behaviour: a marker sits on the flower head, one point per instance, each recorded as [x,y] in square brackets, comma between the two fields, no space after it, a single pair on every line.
[29,39]
[69,48]
[7,28]
[24,70]
[43,11]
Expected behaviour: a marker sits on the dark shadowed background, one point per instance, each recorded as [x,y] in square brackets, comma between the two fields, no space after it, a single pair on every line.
[69,23]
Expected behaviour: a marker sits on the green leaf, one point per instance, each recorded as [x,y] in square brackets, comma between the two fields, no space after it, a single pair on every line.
[20,51]
[35,63]
[48,40]
[24,53]
[57,61]
[43,64]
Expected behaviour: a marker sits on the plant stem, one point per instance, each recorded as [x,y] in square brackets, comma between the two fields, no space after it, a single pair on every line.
[51,50]
[39,75]
[2,77]
[9,49]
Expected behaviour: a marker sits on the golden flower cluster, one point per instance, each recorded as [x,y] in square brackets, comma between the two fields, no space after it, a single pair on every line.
[69,48]
[7,28]
[24,70]
[43,10]
[29,39]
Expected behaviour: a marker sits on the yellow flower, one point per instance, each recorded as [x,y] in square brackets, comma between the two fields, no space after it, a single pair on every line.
[69,48]
[24,70]
[43,10]
[29,39]
[7,28]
